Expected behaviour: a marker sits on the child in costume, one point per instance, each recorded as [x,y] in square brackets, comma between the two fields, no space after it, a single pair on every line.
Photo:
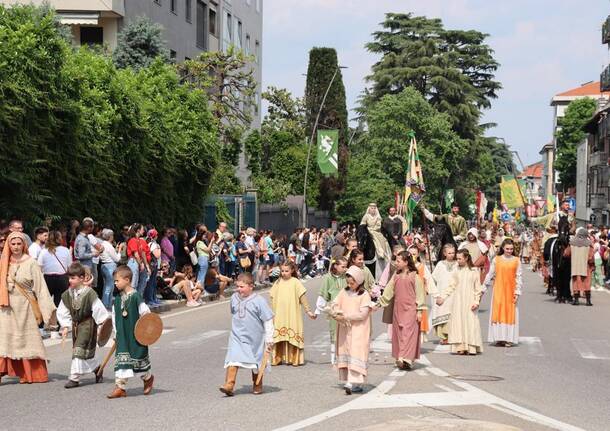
[130,357]
[332,284]
[287,296]
[251,334]
[81,310]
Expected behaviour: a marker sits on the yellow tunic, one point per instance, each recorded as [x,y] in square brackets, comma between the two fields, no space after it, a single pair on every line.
[286,299]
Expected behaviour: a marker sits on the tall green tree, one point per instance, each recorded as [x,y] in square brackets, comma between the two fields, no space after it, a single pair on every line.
[453,69]
[571,132]
[140,42]
[323,64]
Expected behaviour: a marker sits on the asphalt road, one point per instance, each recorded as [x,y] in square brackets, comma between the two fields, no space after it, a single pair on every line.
[555,379]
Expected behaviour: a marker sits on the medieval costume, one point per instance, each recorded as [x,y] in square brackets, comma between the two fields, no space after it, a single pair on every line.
[331,286]
[457,223]
[287,296]
[81,310]
[251,330]
[505,277]
[477,250]
[396,226]
[440,314]
[429,286]
[581,255]
[22,352]
[373,220]
[353,334]
[131,357]
[406,293]
[464,327]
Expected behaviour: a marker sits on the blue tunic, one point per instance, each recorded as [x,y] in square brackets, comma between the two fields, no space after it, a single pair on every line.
[247,339]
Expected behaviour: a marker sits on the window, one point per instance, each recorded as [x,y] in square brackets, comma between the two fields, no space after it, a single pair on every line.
[238,34]
[259,4]
[91,35]
[172,56]
[187,10]
[172,5]
[227,31]
[201,33]
[213,20]
[257,53]
[247,47]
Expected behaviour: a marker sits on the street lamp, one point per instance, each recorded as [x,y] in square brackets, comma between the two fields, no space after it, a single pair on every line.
[313,132]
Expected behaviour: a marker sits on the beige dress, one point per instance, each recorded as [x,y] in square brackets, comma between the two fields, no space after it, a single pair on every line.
[374,227]
[440,314]
[19,334]
[464,326]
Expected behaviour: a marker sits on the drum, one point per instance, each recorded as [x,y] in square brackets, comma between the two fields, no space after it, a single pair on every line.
[148,329]
[104,332]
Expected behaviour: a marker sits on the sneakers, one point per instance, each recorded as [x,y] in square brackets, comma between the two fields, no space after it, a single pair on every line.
[192,304]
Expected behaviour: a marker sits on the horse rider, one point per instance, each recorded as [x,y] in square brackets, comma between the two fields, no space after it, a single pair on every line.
[372,220]
[396,226]
[456,222]
[563,212]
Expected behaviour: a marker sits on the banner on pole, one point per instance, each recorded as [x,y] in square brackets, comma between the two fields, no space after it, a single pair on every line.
[328,151]
[449,198]
[511,194]
[414,184]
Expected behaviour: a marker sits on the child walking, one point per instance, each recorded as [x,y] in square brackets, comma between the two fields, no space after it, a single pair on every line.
[287,296]
[407,291]
[251,334]
[130,357]
[332,283]
[81,310]
[353,331]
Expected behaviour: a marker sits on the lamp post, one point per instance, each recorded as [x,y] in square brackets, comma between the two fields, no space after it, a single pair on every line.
[313,132]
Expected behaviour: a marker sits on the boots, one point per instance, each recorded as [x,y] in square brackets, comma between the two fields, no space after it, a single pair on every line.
[257,389]
[227,388]
[588,296]
[576,298]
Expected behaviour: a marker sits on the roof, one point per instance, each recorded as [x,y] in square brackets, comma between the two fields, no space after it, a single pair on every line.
[589,89]
[533,171]
[546,148]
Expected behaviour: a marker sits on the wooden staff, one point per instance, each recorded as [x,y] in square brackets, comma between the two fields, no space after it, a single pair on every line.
[261,369]
[100,371]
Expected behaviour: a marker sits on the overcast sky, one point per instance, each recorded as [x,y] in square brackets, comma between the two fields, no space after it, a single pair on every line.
[543,46]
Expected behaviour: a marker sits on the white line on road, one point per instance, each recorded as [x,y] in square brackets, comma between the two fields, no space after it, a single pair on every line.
[442,348]
[533,346]
[592,349]
[195,340]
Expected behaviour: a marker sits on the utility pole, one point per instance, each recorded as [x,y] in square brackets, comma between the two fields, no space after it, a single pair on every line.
[311,140]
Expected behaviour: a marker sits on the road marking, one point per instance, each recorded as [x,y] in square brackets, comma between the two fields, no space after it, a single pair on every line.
[533,346]
[421,372]
[382,344]
[592,349]
[437,372]
[378,397]
[195,340]
[442,348]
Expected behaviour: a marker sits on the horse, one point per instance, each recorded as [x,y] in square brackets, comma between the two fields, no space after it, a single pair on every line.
[440,236]
[562,272]
[367,246]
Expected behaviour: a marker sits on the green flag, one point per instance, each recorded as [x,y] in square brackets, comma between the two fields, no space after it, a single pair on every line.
[449,198]
[328,156]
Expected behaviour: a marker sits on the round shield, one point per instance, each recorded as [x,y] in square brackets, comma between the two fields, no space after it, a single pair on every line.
[148,329]
[104,333]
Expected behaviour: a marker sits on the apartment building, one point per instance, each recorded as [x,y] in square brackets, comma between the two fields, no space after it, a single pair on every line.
[189,26]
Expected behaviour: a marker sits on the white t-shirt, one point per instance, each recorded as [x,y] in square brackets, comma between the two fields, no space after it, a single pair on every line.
[57,263]
[34,250]
[109,254]
[94,241]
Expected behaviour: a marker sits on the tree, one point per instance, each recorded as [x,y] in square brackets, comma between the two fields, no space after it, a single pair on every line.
[323,64]
[452,69]
[139,44]
[231,88]
[570,134]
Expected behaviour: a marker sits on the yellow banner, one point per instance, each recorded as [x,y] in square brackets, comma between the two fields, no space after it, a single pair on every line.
[511,195]
[550,204]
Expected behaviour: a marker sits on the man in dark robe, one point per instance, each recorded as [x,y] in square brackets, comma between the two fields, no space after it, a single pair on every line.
[394,225]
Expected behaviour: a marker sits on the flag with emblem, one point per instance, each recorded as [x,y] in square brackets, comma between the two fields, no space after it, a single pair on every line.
[328,151]
[414,184]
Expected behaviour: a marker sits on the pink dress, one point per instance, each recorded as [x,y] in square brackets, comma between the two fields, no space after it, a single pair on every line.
[405,328]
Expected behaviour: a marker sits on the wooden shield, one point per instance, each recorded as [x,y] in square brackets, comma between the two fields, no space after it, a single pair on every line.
[148,329]
[104,332]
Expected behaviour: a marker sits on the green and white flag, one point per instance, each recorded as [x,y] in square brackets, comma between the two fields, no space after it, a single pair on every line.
[449,198]
[328,151]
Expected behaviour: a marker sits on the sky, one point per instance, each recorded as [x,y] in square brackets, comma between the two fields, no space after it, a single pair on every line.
[544,47]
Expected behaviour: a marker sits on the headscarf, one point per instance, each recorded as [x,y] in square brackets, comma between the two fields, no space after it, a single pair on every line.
[356,273]
[5,261]
[581,239]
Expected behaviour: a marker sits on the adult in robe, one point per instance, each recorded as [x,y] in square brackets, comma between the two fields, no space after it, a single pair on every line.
[396,226]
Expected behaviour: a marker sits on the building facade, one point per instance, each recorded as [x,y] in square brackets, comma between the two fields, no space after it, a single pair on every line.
[598,169]
[189,26]
[532,175]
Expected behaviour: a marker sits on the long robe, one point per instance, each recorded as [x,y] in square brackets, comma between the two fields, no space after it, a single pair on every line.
[505,276]
[353,340]
[582,266]
[130,357]
[429,286]
[289,343]
[407,292]
[440,314]
[22,351]
[464,326]
[331,286]
[373,225]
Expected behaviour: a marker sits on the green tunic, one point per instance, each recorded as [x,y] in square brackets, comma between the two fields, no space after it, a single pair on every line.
[331,286]
[456,223]
[130,355]
[84,328]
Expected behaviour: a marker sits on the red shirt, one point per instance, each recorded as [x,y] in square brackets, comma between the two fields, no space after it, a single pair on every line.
[133,247]
[145,249]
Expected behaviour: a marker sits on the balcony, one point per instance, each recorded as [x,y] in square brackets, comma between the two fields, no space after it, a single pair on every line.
[605,79]
[599,201]
[606,31]
[103,8]
[599,158]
